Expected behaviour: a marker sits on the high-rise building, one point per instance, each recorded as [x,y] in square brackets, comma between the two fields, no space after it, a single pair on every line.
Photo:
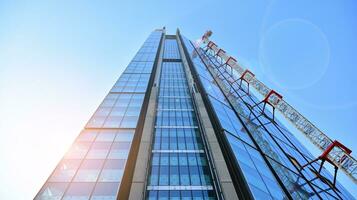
[166,130]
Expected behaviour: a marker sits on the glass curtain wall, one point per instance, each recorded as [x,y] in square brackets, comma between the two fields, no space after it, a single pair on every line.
[274,140]
[179,167]
[94,165]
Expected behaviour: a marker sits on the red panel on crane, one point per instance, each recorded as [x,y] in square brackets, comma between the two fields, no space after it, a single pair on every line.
[272,92]
[229,59]
[219,51]
[334,144]
[245,73]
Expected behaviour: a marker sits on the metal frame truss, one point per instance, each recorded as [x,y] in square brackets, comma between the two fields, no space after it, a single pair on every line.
[237,75]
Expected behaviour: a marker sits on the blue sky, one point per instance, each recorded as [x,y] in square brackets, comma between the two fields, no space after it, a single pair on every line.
[59,59]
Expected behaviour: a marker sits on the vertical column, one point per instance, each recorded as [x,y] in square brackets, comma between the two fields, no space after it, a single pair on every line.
[215,152]
[138,189]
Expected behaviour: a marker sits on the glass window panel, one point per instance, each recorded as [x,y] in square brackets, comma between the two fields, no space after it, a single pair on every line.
[105,191]
[108,103]
[195,176]
[274,188]
[114,164]
[121,145]
[99,150]
[186,195]
[89,171]
[78,150]
[129,122]
[133,111]
[106,136]
[118,154]
[174,176]
[126,96]
[65,170]
[182,159]
[164,175]
[79,191]
[87,136]
[197,195]
[163,195]
[154,175]
[124,136]
[136,102]
[164,159]
[129,89]
[103,111]
[95,122]
[209,194]
[173,143]
[119,150]
[113,122]
[126,131]
[174,195]
[152,195]
[112,171]
[190,146]
[118,111]
[259,194]
[155,159]
[122,104]
[138,96]
[184,176]
[253,177]
[192,159]
[112,96]
[201,160]
[53,191]
[173,159]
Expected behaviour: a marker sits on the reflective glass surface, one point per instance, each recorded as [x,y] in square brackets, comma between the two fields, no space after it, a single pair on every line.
[94,165]
[171,50]
[179,167]
[273,139]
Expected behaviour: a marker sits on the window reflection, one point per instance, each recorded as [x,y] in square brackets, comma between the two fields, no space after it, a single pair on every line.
[113,122]
[129,122]
[78,150]
[124,136]
[99,150]
[87,136]
[112,171]
[119,150]
[96,122]
[89,171]
[51,191]
[79,191]
[97,158]
[107,191]
[118,111]
[106,136]
[65,171]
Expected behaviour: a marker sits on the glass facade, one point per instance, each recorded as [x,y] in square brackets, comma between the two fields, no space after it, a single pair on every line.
[94,166]
[263,150]
[179,166]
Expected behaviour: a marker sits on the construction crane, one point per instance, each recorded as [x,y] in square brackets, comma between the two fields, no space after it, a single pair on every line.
[334,152]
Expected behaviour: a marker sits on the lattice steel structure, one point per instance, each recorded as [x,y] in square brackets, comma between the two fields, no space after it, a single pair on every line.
[339,156]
